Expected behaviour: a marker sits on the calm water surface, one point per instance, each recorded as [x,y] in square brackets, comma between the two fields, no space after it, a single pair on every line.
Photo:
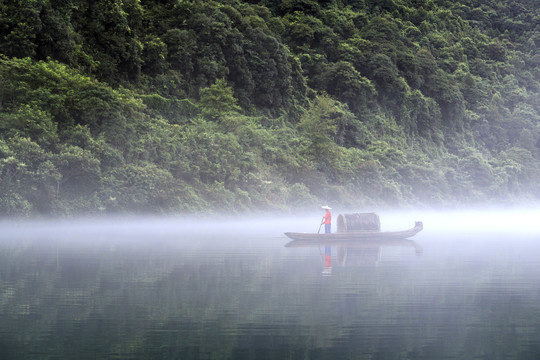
[467,287]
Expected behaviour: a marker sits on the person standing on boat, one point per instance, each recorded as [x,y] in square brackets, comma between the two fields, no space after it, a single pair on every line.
[327,219]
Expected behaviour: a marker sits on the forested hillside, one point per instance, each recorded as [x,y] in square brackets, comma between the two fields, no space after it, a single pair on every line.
[167,106]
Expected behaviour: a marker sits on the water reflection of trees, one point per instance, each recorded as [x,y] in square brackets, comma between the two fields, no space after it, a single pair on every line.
[122,299]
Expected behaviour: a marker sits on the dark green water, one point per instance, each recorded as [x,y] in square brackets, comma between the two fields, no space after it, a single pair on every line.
[148,289]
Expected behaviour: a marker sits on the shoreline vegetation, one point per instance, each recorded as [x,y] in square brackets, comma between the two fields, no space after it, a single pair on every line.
[170,107]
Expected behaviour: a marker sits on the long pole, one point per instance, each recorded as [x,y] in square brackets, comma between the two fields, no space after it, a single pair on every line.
[318,232]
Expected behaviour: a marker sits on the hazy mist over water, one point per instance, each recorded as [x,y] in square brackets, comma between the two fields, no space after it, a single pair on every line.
[228,288]
[517,221]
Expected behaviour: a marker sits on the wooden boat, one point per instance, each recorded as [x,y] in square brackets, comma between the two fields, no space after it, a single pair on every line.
[372,243]
[358,234]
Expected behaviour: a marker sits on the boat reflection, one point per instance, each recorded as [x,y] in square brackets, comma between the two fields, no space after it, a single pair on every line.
[355,253]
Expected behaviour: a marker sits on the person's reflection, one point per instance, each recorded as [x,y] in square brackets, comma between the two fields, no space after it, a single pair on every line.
[327,270]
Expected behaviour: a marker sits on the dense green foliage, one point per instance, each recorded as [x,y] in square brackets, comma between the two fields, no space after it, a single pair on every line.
[170,105]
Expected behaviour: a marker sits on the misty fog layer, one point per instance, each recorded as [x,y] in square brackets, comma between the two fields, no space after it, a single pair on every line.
[484,220]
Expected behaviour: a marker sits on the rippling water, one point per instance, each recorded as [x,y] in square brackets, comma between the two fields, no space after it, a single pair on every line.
[467,287]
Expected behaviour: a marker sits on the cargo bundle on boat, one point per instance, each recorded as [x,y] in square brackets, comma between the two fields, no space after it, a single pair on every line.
[358,226]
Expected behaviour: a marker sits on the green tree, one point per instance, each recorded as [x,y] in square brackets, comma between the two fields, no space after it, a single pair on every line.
[133,188]
[19,25]
[345,83]
[109,39]
[318,127]
[218,99]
